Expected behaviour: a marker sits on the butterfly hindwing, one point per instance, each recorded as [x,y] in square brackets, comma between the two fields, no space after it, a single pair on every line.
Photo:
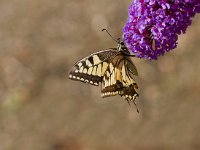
[92,68]
[119,80]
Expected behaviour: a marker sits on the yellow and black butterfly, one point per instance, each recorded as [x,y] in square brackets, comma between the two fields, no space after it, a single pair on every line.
[112,68]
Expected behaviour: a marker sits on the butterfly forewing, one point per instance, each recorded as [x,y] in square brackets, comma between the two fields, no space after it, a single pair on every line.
[92,68]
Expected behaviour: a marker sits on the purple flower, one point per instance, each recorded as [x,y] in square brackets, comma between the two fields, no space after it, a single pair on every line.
[153,26]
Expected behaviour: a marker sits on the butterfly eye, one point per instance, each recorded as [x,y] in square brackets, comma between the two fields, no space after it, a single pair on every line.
[122,43]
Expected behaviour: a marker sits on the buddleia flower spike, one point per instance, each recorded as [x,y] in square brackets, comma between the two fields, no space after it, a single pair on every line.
[153,26]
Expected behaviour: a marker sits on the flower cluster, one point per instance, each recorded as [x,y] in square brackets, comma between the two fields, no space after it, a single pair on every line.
[153,26]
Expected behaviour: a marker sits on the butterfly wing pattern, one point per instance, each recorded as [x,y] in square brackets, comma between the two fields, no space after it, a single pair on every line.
[118,79]
[112,68]
[91,69]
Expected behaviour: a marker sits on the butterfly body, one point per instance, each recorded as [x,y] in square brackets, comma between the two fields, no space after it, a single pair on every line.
[113,68]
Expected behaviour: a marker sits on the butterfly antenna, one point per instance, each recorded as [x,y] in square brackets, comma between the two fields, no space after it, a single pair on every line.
[111,35]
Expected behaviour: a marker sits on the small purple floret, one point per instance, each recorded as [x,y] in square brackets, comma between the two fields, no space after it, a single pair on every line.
[153,26]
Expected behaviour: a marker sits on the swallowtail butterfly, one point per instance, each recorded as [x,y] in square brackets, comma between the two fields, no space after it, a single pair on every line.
[112,68]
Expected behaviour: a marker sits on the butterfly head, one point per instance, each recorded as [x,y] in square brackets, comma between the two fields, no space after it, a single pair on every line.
[121,46]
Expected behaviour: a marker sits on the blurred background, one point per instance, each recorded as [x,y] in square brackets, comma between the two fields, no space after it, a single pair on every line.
[41,109]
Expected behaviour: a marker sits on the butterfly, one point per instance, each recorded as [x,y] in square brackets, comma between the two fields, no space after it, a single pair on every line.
[111,68]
